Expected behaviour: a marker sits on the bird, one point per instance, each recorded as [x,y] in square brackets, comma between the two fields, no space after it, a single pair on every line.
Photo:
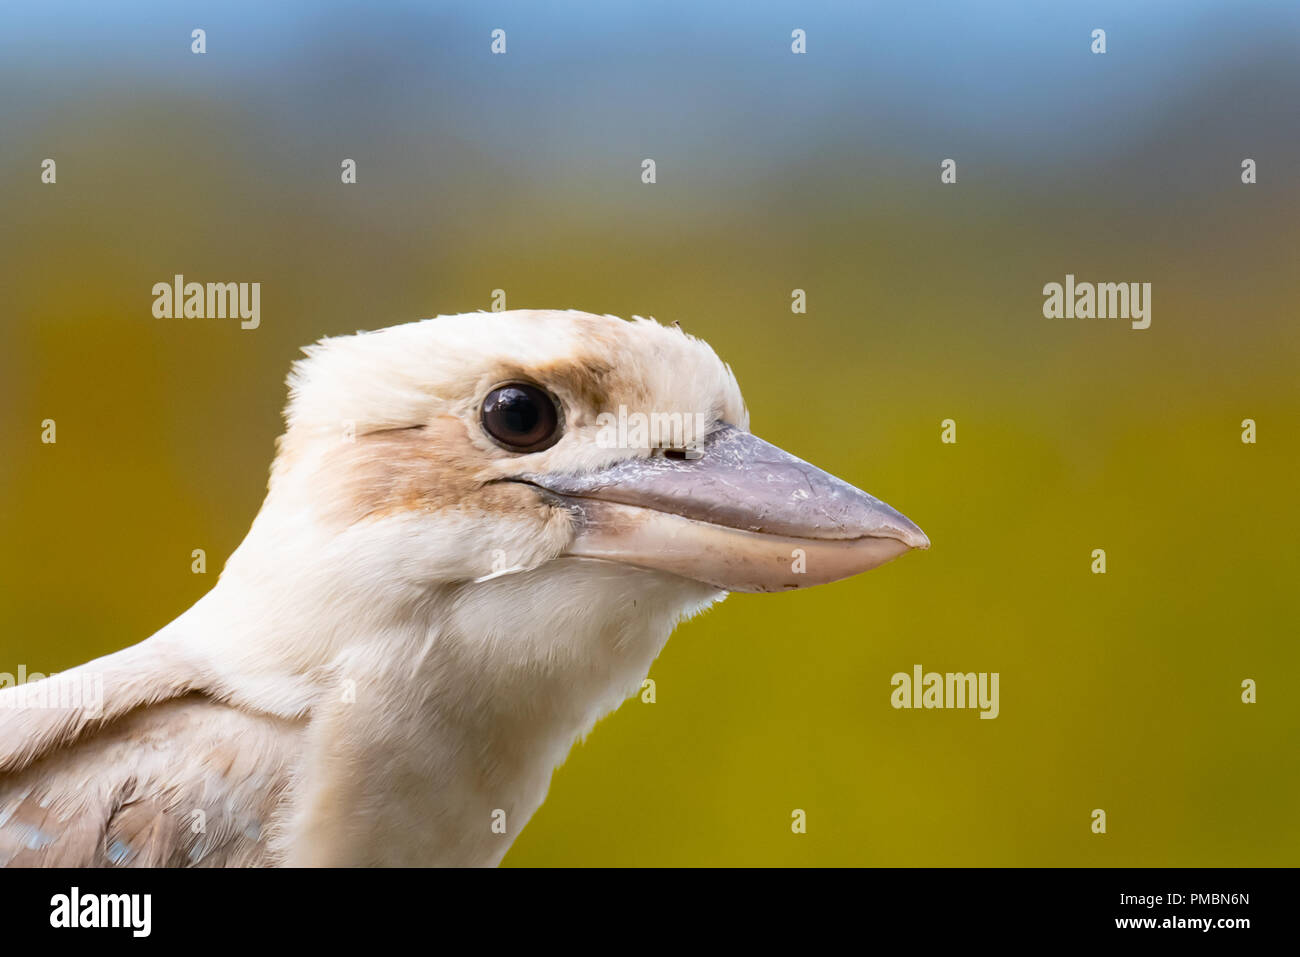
[471,549]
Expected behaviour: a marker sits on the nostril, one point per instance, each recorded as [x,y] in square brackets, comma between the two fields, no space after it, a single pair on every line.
[680,455]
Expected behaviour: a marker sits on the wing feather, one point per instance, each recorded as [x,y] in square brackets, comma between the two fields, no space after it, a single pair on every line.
[186,782]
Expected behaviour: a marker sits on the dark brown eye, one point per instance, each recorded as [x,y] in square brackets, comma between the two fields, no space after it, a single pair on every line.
[521,417]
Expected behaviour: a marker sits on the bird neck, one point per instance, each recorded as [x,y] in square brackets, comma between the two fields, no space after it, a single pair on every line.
[435,712]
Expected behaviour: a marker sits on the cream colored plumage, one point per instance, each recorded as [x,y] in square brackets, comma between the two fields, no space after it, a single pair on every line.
[421,621]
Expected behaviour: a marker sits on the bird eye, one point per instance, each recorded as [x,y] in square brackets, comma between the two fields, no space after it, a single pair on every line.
[521,417]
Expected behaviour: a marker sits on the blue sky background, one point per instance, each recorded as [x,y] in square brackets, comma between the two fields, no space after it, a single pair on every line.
[1007,80]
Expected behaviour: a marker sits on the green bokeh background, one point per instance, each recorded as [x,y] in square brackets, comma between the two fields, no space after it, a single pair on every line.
[1119,691]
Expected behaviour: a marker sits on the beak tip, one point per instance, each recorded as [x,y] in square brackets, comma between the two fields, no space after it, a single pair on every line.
[891,523]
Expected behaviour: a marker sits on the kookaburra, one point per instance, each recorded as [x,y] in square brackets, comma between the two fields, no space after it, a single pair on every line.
[460,565]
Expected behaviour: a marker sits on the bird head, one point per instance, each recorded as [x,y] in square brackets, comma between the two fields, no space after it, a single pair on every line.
[493,444]
[480,531]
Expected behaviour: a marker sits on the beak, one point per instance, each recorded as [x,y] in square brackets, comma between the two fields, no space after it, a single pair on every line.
[743,516]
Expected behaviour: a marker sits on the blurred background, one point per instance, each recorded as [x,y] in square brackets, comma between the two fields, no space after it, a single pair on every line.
[775,171]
